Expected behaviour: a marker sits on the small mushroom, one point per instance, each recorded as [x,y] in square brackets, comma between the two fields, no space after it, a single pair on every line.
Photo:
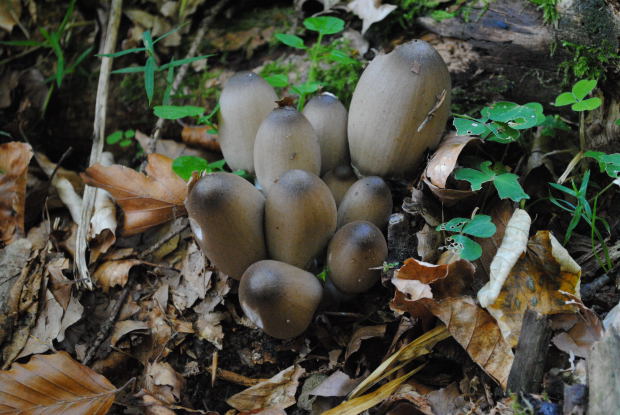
[329,118]
[279,298]
[398,110]
[285,140]
[368,199]
[300,217]
[339,180]
[246,100]
[226,215]
[352,253]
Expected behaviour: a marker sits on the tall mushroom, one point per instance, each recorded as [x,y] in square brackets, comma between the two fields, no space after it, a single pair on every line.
[399,110]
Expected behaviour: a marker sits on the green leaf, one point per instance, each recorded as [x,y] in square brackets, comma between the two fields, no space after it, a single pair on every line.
[291,40]
[130,69]
[502,133]
[184,166]
[149,78]
[179,62]
[587,105]
[608,163]
[617,121]
[325,25]
[147,39]
[440,15]
[22,43]
[583,88]
[469,127]
[130,133]
[516,116]
[476,178]
[217,165]
[114,138]
[565,98]
[121,53]
[125,143]
[552,123]
[508,187]
[339,56]
[453,225]
[480,226]
[243,173]
[306,88]
[277,80]
[168,33]
[467,248]
[174,112]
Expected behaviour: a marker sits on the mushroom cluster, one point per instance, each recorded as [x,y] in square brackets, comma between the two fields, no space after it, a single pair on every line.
[274,236]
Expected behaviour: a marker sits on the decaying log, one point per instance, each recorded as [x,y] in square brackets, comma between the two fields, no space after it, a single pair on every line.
[529,364]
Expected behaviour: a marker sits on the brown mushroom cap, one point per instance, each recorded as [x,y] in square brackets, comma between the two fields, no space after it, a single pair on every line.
[368,199]
[285,140]
[329,119]
[356,247]
[398,110]
[226,215]
[246,100]
[300,217]
[339,180]
[279,298]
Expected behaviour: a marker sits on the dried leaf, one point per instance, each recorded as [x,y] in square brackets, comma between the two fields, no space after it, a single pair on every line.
[477,332]
[195,279]
[363,333]
[441,165]
[113,273]
[102,230]
[10,12]
[163,383]
[277,392]
[449,197]
[370,11]
[146,201]
[545,279]
[428,243]
[169,148]
[582,330]
[124,327]
[14,160]
[337,384]
[209,328]
[500,215]
[514,243]
[199,136]
[54,384]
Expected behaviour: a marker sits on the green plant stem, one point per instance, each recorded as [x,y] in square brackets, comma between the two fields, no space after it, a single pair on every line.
[582,131]
[314,58]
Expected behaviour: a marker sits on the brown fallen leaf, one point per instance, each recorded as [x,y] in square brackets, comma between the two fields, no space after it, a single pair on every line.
[147,200]
[363,333]
[544,279]
[14,160]
[442,163]
[195,279]
[199,136]
[114,273]
[170,148]
[54,384]
[449,197]
[337,384]
[277,392]
[121,328]
[477,332]
[10,12]
[209,328]
[581,330]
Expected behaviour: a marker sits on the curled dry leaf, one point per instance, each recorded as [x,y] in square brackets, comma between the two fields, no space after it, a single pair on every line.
[545,279]
[147,200]
[209,328]
[169,148]
[449,197]
[54,384]
[14,160]
[337,384]
[199,136]
[195,279]
[514,243]
[113,273]
[102,230]
[163,382]
[124,327]
[363,333]
[10,12]
[277,392]
[370,11]
[441,165]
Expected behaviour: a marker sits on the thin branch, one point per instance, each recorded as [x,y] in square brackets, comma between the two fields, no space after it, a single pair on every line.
[98,139]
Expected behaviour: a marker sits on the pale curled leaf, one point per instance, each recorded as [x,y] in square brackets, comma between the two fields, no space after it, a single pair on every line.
[54,384]
[441,165]
[277,392]
[114,273]
[14,160]
[370,11]
[513,245]
[146,201]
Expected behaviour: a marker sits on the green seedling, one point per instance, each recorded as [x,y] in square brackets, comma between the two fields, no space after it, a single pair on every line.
[506,184]
[480,226]
[317,53]
[501,122]
[576,97]
[122,138]
[608,163]
[581,209]
[151,67]
[186,166]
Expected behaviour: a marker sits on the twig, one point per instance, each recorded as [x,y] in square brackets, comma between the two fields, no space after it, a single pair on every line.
[233,377]
[215,10]
[88,201]
[107,325]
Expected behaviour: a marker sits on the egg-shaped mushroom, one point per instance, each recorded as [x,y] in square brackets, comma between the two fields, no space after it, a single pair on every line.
[285,140]
[279,298]
[246,100]
[368,199]
[339,180]
[329,119]
[398,110]
[226,216]
[353,252]
[300,217]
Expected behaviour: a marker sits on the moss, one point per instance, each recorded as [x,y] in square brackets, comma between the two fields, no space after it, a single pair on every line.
[549,10]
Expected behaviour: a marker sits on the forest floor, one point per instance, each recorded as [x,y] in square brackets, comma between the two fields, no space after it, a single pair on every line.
[165,327]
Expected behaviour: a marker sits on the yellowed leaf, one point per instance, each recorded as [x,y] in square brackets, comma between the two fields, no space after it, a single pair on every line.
[147,200]
[54,384]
